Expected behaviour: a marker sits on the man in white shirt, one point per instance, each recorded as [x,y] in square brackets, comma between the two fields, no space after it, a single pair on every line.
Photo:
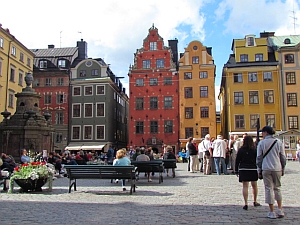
[219,154]
[205,147]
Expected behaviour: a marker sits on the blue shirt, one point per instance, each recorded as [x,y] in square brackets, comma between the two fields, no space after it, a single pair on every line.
[25,159]
[121,162]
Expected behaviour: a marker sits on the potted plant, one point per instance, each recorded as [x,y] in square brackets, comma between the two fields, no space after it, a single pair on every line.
[31,176]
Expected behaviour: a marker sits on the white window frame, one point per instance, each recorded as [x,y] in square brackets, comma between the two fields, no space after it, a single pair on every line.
[48,82]
[153,46]
[83,137]
[11,99]
[85,116]
[96,132]
[21,56]
[97,89]
[13,50]
[73,110]
[72,132]
[43,64]
[21,73]
[62,63]
[1,66]
[98,103]
[1,42]
[79,89]
[85,89]
[252,77]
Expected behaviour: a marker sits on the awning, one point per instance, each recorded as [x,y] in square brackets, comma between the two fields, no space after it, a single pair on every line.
[85,146]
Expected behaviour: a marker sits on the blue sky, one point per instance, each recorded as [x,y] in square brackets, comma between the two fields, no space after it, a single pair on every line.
[114,29]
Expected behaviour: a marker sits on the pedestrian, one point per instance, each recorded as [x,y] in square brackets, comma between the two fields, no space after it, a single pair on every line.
[271,162]
[188,152]
[298,151]
[206,148]
[237,144]
[219,154]
[193,155]
[246,170]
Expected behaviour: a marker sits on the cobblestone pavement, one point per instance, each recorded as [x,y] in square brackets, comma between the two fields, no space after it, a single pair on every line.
[186,199]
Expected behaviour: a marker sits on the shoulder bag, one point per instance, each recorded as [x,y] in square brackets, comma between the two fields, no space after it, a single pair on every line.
[261,177]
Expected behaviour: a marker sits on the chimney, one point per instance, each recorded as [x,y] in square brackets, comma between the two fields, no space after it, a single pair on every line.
[82,49]
[173,45]
[267,34]
[50,46]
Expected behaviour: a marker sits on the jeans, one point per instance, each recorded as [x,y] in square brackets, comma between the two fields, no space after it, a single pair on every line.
[221,160]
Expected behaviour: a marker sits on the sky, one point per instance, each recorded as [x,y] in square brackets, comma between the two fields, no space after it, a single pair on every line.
[114,29]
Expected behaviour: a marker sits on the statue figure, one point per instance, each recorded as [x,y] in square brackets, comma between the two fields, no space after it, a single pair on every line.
[28,79]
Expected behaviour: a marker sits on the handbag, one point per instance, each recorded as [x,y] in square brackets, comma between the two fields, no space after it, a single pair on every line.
[261,177]
[207,153]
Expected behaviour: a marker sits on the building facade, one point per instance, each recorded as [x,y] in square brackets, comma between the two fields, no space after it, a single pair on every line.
[15,61]
[51,80]
[98,108]
[154,109]
[197,93]
[250,87]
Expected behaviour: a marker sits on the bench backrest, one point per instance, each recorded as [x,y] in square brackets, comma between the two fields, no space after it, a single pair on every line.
[169,163]
[100,172]
[148,166]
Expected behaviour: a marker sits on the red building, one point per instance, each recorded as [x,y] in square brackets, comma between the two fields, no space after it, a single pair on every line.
[153,103]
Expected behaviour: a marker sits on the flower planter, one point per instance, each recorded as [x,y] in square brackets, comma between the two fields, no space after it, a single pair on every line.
[31,185]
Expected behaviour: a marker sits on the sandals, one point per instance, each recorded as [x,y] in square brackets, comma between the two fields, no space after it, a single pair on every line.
[245,207]
[256,204]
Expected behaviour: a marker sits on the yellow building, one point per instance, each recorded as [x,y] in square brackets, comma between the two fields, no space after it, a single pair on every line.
[196,93]
[15,61]
[250,87]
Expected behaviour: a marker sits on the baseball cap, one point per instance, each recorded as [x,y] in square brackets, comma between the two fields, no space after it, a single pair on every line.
[267,129]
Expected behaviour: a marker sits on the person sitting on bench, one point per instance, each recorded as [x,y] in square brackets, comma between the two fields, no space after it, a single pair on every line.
[143,157]
[121,160]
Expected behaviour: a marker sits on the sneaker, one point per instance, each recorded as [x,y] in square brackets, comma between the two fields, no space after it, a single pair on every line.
[116,181]
[280,213]
[61,176]
[62,171]
[149,180]
[272,215]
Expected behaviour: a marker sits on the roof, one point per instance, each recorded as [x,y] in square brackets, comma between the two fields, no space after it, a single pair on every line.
[279,40]
[54,52]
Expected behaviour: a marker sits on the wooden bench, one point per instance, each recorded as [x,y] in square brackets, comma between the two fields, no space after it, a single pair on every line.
[155,166]
[76,172]
[170,164]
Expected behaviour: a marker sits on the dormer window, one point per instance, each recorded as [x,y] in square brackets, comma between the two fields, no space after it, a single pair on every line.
[287,41]
[43,64]
[289,58]
[62,63]
[250,41]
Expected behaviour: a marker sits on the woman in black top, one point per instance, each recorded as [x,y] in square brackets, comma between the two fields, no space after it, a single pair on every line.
[245,167]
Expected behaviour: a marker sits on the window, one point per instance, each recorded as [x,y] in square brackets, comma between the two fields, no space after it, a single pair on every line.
[43,64]
[168,102]
[153,82]
[253,120]
[270,120]
[259,57]
[75,132]
[95,72]
[139,82]
[21,78]
[203,74]
[88,110]
[153,46]
[195,59]
[100,109]
[252,77]
[203,91]
[204,113]
[139,103]
[100,90]
[146,64]
[291,99]
[160,63]
[168,126]
[253,97]
[167,80]
[88,130]
[21,56]
[244,58]
[99,132]
[36,82]
[76,91]
[59,138]
[0,67]
[289,58]
[189,132]
[187,75]
[28,61]
[238,98]
[12,74]
[268,96]
[76,110]
[267,76]
[290,78]
[188,112]
[48,82]
[61,98]
[237,78]
[250,41]
[82,73]
[62,63]
[239,121]
[153,127]
[11,99]
[188,92]
[13,51]
[293,122]
[88,90]
[47,99]
[60,81]
[59,118]
[1,42]
[139,127]
[153,103]
[204,131]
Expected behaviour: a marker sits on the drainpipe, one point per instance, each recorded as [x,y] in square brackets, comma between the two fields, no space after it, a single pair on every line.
[7,75]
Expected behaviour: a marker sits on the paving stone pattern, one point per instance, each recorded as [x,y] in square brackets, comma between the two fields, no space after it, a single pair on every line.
[186,199]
